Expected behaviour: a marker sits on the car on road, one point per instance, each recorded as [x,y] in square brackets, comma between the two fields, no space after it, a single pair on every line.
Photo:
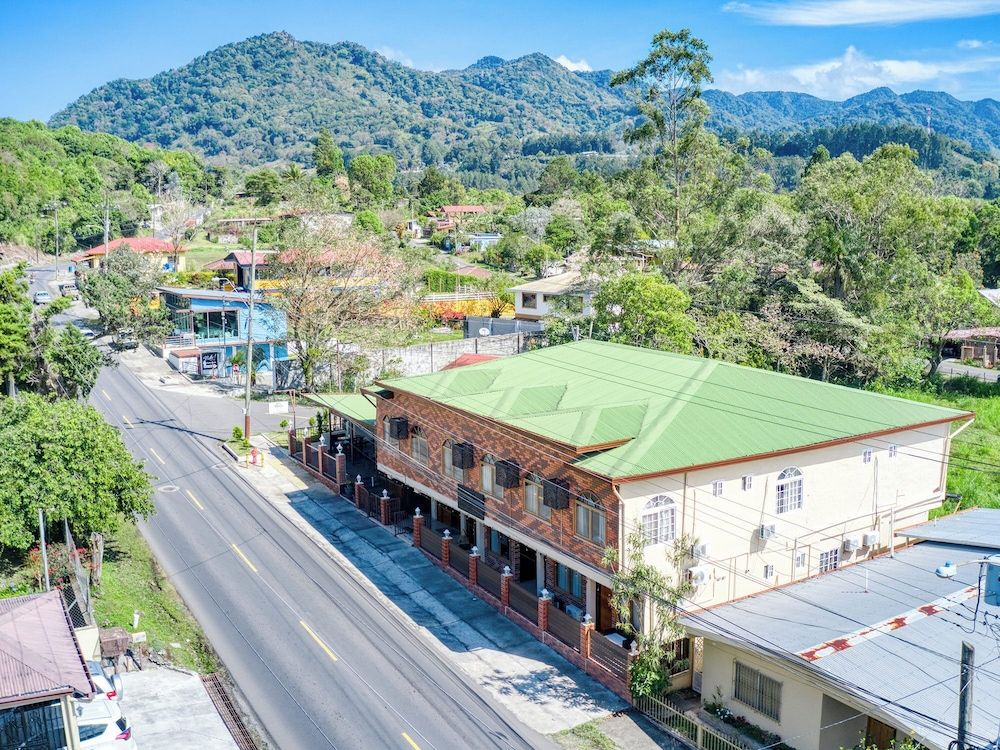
[125,339]
[42,297]
[102,726]
[69,290]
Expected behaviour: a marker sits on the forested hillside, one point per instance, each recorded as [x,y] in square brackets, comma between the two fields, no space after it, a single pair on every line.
[41,168]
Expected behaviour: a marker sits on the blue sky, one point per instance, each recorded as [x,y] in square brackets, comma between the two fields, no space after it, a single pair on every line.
[52,52]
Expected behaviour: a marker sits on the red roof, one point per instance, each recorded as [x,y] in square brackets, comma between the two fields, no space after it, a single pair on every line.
[470,359]
[39,655]
[973,333]
[449,210]
[136,244]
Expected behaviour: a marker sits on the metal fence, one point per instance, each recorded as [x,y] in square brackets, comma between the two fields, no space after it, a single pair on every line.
[312,456]
[431,541]
[609,655]
[489,579]
[474,324]
[80,608]
[564,627]
[524,602]
[459,559]
[684,726]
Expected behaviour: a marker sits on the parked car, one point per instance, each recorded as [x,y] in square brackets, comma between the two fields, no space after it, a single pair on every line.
[125,339]
[69,290]
[102,726]
[42,297]
[109,685]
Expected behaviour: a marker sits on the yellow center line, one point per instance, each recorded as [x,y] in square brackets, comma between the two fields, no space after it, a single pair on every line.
[320,643]
[128,422]
[105,394]
[153,451]
[244,558]
[194,500]
[410,741]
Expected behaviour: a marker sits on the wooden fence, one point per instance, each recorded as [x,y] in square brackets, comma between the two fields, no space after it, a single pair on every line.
[524,602]
[430,541]
[609,655]
[684,726]
[459,560]
[489,579]
[564,627]
[312,456]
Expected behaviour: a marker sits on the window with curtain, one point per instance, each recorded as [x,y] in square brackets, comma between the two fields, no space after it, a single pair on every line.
[418,446]
[590,518]
[659,520]
[390,441]
[449,468]
[533,497]
[489,476]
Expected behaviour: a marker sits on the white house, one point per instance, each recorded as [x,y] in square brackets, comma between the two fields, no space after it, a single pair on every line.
[536,299]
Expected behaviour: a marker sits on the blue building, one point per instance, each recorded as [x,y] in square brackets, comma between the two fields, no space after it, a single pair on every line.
[210,326]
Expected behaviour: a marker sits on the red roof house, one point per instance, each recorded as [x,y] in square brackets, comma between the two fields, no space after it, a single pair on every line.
[145,245]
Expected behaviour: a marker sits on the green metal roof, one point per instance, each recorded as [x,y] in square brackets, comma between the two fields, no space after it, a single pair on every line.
[351,405]
[631,411]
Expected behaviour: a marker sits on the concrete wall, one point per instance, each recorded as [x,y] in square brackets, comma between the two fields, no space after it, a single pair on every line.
[843,496]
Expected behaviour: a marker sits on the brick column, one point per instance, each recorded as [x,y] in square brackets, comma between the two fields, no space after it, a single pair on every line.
[505,579]
[474,566]
[291,437]
[543,610]
[446,548]
[586,629]
[340,463]
[319,458]
[359,487]
[383,508]
[305,440]
[418,523]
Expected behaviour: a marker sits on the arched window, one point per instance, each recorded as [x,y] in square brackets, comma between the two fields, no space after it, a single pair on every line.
[489,476]
[590,518]
[533,497]
[447,465]
[659,520]
[386,436]
[418,446]
[788,490]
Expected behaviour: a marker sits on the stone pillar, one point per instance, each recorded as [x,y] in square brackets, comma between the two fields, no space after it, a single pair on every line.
[418,523]
[446,548]
[341,466]
[586,630]
[383,508]
[505,579]
[544,601]
[359,487]
[474,566]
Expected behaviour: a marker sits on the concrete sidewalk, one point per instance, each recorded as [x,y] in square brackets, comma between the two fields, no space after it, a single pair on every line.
[537,685]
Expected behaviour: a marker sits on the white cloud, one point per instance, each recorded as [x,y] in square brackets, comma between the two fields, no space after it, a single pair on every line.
[580,64]
[391,53]
[861,12]
[854,73]
[970,43]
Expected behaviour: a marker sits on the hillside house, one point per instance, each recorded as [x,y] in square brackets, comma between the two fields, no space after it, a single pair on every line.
[159,251]
[976,344]
[536,299]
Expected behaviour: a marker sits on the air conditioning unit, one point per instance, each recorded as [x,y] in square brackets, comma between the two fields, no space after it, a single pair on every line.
[869,539]
[852,543]
[768,530]
[699,574]
[700,550]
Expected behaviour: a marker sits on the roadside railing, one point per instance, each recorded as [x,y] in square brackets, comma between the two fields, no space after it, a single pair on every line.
[609,655]
[489,579]
[431,541]
[686,727]
[564,627]
[459,560]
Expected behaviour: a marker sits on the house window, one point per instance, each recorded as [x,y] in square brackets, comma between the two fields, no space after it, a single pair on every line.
[893,449]
[755,689]
[418,446]
[717,488]
[768,572]
[569,580]
[746,482]
[499,544]
[489,476]
[829,560]
[389,440]
[533,497]
[449,468]
[866,455]
[659,520]
[529,300]
[800,560]
[788,490]
[590,518]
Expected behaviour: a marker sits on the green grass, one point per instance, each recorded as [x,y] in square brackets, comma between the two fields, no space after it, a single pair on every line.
[974,470]
[133,580]
[429,337]
[587,736]
[202,252]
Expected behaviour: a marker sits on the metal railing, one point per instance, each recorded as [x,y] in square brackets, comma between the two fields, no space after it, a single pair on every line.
[459,559]
[609,655]
[686,727]
[524,602]
[312,456]
[183,339]
[489,579]
[430,541]
[564,627]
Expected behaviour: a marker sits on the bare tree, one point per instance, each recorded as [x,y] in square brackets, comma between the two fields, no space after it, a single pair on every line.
[177,219]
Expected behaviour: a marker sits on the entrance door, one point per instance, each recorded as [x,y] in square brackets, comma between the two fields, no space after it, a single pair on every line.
[879,735]
[528,564]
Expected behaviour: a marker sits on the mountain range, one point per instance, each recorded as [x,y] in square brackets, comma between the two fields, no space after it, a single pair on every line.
[264,99]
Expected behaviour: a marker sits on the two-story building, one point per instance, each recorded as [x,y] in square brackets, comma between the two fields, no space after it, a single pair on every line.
[546,459]
[210,326]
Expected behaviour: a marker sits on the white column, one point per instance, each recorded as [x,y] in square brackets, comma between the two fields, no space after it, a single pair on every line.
[481,536]
[433,514]
[592,599]
[539,572]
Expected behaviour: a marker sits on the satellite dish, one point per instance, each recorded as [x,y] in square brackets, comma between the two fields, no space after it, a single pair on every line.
[484,331]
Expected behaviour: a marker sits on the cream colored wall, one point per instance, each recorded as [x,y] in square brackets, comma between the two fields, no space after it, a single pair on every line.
[843,496]
[804,707]
[544,308]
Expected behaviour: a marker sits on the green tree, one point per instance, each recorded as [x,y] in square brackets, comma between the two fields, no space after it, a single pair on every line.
[644,310]
[264,186]
[558,177]
[369,221]
[62,456]
[15,319]
[371,180]
[539,257]
[121,293]
[565,235]
[327,156]
[76,362]
[820,155]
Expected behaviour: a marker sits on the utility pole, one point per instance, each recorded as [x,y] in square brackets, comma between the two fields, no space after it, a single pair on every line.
[253,273]
[56,211]
[966,674]
[107,228]
[45,553]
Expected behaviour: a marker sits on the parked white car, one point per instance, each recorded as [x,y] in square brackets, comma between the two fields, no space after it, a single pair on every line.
[108,685]
[42,297]
[102,726]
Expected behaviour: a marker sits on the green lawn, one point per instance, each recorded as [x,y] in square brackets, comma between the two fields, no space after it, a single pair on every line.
[974,471]
[201,252]
[133,580]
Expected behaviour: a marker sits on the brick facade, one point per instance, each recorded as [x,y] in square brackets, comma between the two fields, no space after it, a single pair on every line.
[535,455]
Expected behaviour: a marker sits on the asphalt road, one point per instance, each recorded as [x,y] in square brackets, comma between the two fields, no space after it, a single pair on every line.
[318,660]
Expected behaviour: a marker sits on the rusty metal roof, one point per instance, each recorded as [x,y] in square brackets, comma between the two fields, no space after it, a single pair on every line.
[39,655]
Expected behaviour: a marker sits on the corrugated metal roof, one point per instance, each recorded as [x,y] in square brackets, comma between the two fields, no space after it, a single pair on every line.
[907,664]
[351,405]
[979,527]
[551,284]
[39,655]
[663,411]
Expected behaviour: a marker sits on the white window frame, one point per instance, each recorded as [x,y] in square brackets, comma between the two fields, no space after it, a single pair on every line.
[866,455]
[800,560]
[419,450]
[659,520]
[594,517]
[746,482]
[768,572]
[893,450]
[789,490]
[533,503]
[829,560]
[717,488]
[448,468]
[488,476]
[753,688]
[390,441]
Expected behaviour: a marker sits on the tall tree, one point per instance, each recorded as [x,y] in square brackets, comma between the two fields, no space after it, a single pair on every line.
[644,310]
[122,292]
[327,156]
[668,86]
[15,319]
[264,185]
[371,180]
